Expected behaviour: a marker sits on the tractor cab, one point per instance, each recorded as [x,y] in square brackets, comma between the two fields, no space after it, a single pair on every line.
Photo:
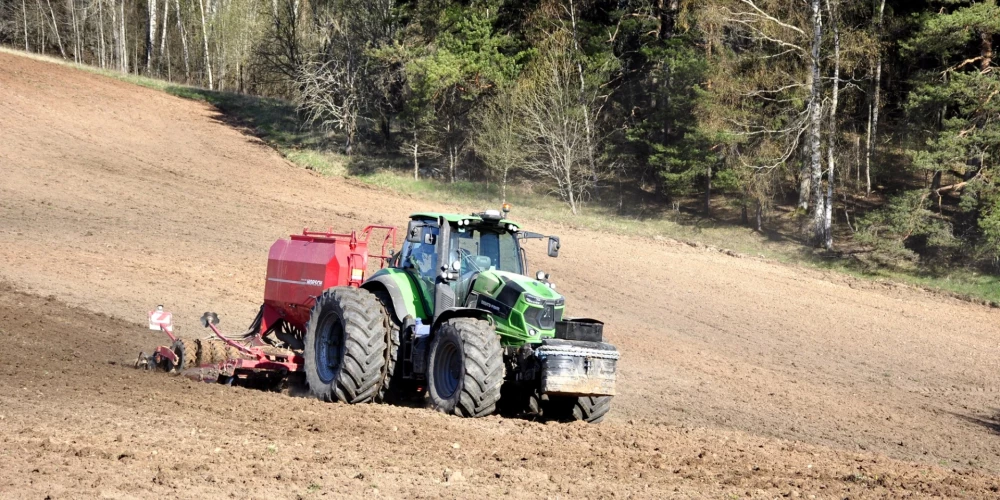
[476,261]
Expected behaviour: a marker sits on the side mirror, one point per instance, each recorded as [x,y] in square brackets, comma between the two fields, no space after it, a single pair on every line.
[417,232]
[413,231]
[553,246]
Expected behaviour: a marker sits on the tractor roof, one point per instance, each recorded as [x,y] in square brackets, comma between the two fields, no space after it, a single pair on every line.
[456,217]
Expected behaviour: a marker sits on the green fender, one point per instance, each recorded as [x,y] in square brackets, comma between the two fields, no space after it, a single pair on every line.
[461,312]
[405,293]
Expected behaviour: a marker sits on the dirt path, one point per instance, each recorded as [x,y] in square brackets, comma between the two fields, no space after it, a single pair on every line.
[114,198]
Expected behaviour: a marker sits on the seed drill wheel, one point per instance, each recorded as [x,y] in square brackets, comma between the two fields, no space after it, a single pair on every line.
[590,409]
[345,346]
[186,352]
[465,369]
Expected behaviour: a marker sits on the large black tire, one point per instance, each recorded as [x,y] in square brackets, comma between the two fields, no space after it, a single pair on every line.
[590,409]
[345,346]
[393,385]
[465,369]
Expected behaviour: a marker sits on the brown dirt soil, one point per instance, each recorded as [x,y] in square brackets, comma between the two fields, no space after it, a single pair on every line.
[739,377]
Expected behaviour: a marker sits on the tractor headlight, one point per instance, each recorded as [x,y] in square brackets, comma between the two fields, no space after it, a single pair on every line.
[531,299]
[561,301]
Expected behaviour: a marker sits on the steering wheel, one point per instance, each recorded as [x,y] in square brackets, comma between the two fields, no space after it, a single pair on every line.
[466,256]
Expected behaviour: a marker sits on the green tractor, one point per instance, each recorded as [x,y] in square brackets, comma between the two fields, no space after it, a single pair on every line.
[455,315]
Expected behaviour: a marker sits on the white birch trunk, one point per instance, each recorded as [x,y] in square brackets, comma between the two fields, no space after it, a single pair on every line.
[76,30]
[102,59]
[416,160]
[24,11]
[55,27]
[831,145]
[163,34]
[150,34]
[114,35]
[815,127]
[876,103]
[805,178]
[122,38]
[184,42]
[204,37]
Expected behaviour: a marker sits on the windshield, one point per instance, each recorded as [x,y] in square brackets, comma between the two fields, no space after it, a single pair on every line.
[484,249]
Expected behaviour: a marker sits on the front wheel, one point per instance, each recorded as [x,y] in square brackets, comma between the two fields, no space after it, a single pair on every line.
[590,409]
[465,368]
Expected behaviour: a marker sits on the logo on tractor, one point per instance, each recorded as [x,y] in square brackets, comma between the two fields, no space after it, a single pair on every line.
[493,306]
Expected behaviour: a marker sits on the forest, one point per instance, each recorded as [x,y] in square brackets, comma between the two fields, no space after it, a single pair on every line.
[873,124]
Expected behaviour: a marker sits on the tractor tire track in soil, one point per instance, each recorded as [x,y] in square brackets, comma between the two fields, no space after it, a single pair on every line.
[739,377]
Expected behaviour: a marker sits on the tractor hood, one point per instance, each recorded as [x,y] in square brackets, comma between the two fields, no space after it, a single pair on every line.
[512,285]
[524,310]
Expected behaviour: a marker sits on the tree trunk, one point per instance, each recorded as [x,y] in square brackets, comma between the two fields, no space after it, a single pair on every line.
[416,159]
[40,23]
[831,146]
[114,35]
[815,127]
[572,199]
[122,38]
[805,179]
[71,4]
[584,107]
[759,216]
[708,191]
[150,34]
[503,186]
[184,42]
[204,36]
[163,34]
[55,27]
[24,11]
[857,159]
[986,51]
[101,46]
[452,160]
[876,103]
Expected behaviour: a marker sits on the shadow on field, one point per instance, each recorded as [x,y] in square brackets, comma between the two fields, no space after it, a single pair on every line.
[271,120]
[990,422]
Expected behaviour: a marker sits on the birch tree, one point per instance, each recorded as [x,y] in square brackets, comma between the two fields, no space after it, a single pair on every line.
[554,131]
[816,125]
[151,33]
[767,90]
[182,33]
[24,12]
[876,101]
[831,147]
[498,136]
[204,38]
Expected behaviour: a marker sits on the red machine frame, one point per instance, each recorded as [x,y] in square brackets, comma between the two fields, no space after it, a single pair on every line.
[258,358]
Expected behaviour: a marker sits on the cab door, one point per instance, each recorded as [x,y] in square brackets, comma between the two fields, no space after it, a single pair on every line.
[419,257]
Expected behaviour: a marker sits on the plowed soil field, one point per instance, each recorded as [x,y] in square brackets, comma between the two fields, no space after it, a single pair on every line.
[739,377]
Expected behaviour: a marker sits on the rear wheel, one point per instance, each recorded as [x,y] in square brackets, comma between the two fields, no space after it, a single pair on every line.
[590,409]
[345,346]
[465,368]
